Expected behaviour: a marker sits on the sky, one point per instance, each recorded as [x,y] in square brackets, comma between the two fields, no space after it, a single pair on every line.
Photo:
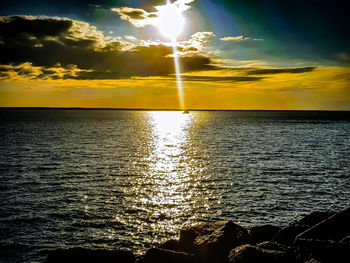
[232,54]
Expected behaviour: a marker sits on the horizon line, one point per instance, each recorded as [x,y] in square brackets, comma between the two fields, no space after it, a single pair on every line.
[157,109]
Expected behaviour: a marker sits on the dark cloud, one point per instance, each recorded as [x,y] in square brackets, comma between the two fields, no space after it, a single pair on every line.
[220,78]
[79,7]
[48,42]
[23,26]
[279,70]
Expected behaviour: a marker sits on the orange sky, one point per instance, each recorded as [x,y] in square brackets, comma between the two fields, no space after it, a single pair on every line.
[53,61]
[323,88]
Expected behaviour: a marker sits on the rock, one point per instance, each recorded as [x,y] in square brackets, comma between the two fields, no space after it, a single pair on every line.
[287,235]
[171,244]
[346,239]
[312,261]
[158,255]
[334,228]
[272,246]
[252,254]
[262,233]
[326,251]
[289,252]
[212,242]
[324,240]
[314,218]
[86,255]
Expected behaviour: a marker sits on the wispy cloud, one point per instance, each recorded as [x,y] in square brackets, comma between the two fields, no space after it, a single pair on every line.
[266,71]
[137,17]
[240,38]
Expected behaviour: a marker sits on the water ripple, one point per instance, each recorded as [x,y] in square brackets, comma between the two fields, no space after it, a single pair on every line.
[132,179]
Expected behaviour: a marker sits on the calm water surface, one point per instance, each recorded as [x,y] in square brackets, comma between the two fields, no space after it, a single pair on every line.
[132,179]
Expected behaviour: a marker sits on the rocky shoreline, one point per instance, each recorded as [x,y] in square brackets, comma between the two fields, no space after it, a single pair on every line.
[318,237]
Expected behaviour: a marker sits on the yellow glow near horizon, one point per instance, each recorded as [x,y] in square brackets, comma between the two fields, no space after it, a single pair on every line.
[325,88]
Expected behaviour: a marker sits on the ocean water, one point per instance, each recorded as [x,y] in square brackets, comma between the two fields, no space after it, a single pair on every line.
[132,179]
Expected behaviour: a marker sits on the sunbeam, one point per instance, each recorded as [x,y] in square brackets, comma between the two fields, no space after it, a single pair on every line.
[170,25]
[178,77]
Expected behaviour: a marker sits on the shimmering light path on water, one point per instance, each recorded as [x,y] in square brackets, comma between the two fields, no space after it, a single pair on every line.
[169,192]
[131,179]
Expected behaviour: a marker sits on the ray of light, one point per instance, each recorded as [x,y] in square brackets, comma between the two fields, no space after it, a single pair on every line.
[178,77]
[177,72]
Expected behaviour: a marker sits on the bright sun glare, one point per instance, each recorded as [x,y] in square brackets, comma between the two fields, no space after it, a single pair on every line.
[170,24]
[170,21]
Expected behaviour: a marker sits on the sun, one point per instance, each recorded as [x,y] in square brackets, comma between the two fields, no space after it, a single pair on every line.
[170,22]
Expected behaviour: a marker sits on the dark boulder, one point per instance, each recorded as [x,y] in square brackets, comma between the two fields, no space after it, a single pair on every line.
[171,244]
[212,242]
[158,255]
[312,261]
[324,241]
[259,234]
[272,246]
[346,239]
[335,228]
[287,235]
[289,251]
[252,254]
[86,255]
[314,218]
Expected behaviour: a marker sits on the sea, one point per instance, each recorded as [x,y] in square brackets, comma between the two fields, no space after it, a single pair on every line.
[132,179]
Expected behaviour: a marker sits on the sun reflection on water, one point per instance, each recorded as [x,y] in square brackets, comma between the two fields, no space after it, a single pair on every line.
[169,193]
[170,168]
